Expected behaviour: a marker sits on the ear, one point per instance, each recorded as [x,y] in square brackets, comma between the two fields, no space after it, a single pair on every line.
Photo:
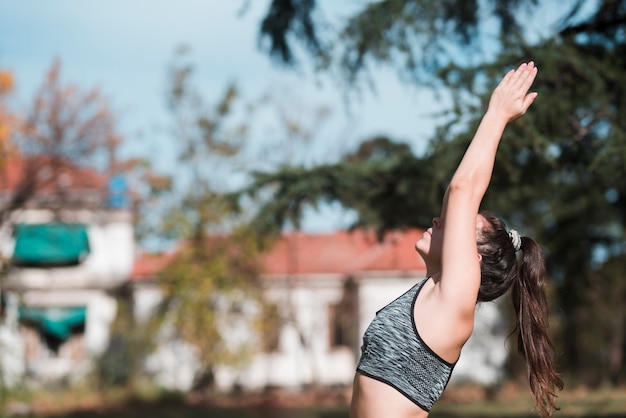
[480,257]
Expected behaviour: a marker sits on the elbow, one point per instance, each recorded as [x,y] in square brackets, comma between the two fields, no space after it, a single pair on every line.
[460,187]
[464,192]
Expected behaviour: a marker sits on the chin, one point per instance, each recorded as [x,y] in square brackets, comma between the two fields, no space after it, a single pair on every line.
[421,250]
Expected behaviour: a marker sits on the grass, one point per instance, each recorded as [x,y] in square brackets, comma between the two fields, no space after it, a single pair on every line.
[578,403]
[607,403]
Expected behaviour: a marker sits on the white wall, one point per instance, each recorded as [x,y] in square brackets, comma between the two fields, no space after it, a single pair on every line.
[292,366]
[173,365]
[112,252]
[304,306]
[100,313]
[11,345]
[107,266]
[304,355]
[146,297]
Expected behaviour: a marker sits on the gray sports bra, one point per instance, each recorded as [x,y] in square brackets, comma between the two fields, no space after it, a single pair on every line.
[394,353]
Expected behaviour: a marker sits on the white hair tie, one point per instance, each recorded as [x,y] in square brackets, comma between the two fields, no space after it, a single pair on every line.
[516,240]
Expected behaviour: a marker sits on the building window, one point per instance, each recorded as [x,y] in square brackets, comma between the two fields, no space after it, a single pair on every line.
[342,323]
[3,305]
[53,332]
[271,328]
[50,245]
[340,326]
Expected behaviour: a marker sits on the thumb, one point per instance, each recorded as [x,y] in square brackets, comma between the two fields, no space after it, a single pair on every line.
[529,99]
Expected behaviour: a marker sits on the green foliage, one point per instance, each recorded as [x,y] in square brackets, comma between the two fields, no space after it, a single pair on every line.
[419,35]
[384,182]
[210,288]
[202,130]
[121,364]
[603,315]
[559,171]
[284,17]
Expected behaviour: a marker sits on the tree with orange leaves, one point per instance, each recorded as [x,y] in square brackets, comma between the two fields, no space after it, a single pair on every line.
[65,122]
[63,127]
[8,120]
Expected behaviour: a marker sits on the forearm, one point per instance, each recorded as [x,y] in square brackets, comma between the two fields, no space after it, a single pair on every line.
[460,265]
[476,167]
[509,100]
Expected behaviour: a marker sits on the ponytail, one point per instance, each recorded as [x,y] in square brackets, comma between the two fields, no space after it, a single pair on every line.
[533,338]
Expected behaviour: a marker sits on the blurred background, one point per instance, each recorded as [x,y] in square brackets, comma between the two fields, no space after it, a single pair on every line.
[204,203]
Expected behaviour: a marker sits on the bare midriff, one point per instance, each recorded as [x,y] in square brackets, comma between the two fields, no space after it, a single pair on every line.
[374,399]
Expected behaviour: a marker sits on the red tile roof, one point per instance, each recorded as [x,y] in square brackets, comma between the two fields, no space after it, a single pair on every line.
[10,174]
[341,252]
[344,252]
[147,265]
[49,174]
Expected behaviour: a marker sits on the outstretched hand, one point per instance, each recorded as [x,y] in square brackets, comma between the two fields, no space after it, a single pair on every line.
[511,99]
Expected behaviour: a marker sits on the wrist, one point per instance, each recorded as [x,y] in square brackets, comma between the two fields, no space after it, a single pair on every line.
[496,116]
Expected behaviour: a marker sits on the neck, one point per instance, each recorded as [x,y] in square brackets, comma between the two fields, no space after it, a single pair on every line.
[433,274]
[433,268]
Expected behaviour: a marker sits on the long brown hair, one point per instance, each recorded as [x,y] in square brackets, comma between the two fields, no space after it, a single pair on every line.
[501,270]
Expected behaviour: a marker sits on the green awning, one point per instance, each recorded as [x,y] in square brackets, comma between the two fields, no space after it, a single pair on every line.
[50,244]
[55,321]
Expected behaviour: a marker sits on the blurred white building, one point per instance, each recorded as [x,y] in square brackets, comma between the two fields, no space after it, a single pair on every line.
[66,247]
[326,289]
[68,250]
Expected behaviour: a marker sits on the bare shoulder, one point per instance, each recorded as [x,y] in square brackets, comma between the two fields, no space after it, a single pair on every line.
[443,327]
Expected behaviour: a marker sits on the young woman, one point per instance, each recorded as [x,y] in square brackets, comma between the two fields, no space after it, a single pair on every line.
[412,345]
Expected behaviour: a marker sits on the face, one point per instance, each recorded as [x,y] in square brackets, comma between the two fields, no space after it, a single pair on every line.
[430,244]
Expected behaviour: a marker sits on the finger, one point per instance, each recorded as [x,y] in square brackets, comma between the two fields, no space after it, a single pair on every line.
[526,82]
[526,77]
[506,80]
[528,100]
[514,79]
[530,78]
[520,74]
[511,78]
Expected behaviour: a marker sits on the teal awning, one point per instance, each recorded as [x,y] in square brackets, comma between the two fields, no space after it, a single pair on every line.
[50,244]
[57,322]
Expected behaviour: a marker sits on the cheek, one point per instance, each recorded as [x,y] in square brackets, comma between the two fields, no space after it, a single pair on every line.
[436,239]
[436,245]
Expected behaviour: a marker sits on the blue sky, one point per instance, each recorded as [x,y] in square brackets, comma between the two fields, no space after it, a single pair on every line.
[124,47]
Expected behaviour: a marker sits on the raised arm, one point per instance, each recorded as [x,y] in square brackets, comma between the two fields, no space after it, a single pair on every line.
[460,268]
